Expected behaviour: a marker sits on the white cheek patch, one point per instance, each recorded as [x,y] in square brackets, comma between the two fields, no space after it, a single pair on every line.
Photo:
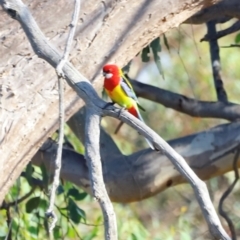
[108,75]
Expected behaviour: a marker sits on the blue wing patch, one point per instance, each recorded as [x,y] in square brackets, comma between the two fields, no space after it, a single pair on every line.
[127,88]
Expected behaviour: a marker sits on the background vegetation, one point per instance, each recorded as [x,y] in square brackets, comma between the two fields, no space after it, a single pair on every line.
[173,214]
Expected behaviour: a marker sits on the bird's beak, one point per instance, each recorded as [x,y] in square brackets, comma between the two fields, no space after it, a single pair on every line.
[104,74]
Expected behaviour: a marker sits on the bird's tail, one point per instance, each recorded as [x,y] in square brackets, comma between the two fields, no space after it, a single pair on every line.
[135,112]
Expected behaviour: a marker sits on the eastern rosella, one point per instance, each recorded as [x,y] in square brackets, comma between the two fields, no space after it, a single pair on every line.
[121,92]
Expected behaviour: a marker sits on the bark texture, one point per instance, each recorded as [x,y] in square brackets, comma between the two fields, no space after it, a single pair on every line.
[28,84]
[145,173]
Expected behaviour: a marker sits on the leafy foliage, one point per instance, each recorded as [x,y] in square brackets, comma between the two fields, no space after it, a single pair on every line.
[155,47]
[32,204]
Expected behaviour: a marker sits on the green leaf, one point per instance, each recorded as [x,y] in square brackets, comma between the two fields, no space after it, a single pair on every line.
[81,196]
[75,213]
[237,38]
[60,190]
[156,48]
[145,54]
[28,173]
[74,192]
[134,237]
[57,233]
[32,204]
[43,204]
[82,214]
[33,230]
[45,177]
[155,45]
[126,68]
[45,224]
[166,42]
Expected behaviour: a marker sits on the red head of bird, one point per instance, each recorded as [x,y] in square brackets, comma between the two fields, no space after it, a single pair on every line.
[112,75]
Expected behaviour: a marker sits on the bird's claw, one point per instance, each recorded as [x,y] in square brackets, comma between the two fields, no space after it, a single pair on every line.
[109,104]
[121,110]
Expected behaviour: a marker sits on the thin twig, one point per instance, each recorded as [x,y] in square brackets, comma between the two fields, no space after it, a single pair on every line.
[12,204]
[50,212]
[226,194]
[58,161]
[215,60]
[72,30]
[232,46]
[69,221]
[118,127]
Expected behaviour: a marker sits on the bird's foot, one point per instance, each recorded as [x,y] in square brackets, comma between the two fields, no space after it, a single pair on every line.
[109,104]
[121,110]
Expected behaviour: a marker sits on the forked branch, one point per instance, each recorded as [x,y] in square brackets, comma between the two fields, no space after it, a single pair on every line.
[58,160]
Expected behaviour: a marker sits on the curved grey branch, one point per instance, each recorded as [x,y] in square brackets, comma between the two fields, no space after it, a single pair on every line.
[199,187]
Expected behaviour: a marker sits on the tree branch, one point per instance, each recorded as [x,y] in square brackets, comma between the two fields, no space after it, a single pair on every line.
[208,153]
[189,106]
[199,187]
[234,28]
[92,154]
[215,61]
[226,194]
[58,162]
[232,46]
[228,10]
[6,205]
